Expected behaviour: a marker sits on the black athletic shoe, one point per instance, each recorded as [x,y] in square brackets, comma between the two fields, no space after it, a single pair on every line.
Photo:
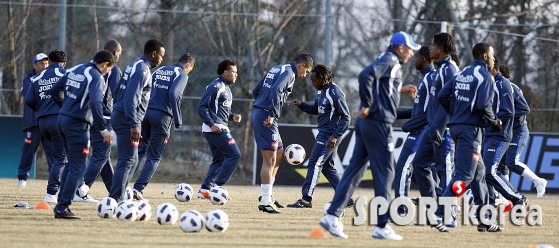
[489,228]
[441,227]
[300,204]
[350,203]
[274,201]
[66,214]
[269,209]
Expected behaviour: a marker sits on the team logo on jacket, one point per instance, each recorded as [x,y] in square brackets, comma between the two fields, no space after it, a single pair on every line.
[85,151]
[165,141]
[28,140]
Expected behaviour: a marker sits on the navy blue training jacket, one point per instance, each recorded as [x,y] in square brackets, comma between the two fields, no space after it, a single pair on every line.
[447,68]
[80,94]
[273,89]
[418,113]
[331,107]
[37,97]
[468,96]
[503,107]
[29,118]
[521,108]
[215,105]
[133,91]
[168,84]
[111,81]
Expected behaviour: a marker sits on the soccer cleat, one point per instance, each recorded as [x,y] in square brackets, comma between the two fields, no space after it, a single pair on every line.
[540,185]
[204,194]
[269,209]
[335,227]
[274,200]
[22,184]
[300,204]
[50,198]
[456,209]
[385,233]
[441,227]
[489,228]
[138,195]
[86,198]
[66,214]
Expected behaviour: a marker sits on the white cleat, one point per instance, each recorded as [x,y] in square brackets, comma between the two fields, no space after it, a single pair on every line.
[21,184]
[50,198]
[86,198]
[540,185]
[385,233]
[333,225]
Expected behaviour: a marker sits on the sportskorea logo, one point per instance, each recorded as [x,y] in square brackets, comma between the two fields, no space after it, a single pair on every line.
[427,206]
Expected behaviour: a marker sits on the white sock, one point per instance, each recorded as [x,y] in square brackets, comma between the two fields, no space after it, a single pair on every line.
[528,174]
[273,180]
[266,194]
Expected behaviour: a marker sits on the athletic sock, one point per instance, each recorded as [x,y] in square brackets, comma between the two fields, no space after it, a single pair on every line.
[528,174]
[273,180]
[266,194]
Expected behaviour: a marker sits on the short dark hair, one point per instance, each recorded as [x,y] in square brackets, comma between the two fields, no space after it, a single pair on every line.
[304,58]
[425,53]
[57,56]
[187,58]
[323,73]
[112,46]
[479,49]
[104,56]
[224,66]
[153,45]
[504,69]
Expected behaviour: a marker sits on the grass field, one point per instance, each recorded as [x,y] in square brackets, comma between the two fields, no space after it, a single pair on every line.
[249,227]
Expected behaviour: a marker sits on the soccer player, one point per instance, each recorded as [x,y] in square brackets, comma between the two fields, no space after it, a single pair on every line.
[416,126]
[379,85]
[495,142]
[38,99]
[168,86]
[511,159]
[214,109]
[100,161]
[270,93]
[131,101]
[435,147]
[468,99]
[80,94]
[333,120]
[31,129]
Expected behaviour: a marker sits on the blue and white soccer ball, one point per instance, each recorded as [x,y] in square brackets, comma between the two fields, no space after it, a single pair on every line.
[166,214]
[217,221]
[144,210]
[127,211]
[294,154]
[192,221]
[184,192]
[106,207]
[219,195]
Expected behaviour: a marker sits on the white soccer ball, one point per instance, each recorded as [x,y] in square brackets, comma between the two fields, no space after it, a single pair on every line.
[217,221]
[106,207]
[166,214]
[294,154]
[183,192]
[144,210]
[219,195]
[469,196]
[127,210]
[192,221]
[327,206]
[129,195]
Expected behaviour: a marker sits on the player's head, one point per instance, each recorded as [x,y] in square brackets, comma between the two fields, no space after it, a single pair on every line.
[40,62]
[443,46]
[422,59]
[321,75]
[304,64]
[495,69]
[154,49]
[188,62]
[57,56]
[228,70]
[404,45]
[114,47]
[484,52]
[504,69]
[104,60]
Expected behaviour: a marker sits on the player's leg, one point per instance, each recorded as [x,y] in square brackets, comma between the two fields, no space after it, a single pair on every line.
[127,156]
[28,150]
[231,153]
[422,162]
[49,151]
[492,154]
[146,129]
[100,155]
[403,165]
[520,168]
[158,137]
[217,161]
[49,128]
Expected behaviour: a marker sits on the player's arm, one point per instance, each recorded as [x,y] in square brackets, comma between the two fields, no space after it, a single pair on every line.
[114,78]
[506,108]
[257,87]
[204,107]
[404,113]
[366,80]
[309,108]
[56,92]
[343,111]
[416,122]
[484,101]
[175,97]
[30,99]
[444,96]
[96,101]
[283,85]
[521,107]
[133,94]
